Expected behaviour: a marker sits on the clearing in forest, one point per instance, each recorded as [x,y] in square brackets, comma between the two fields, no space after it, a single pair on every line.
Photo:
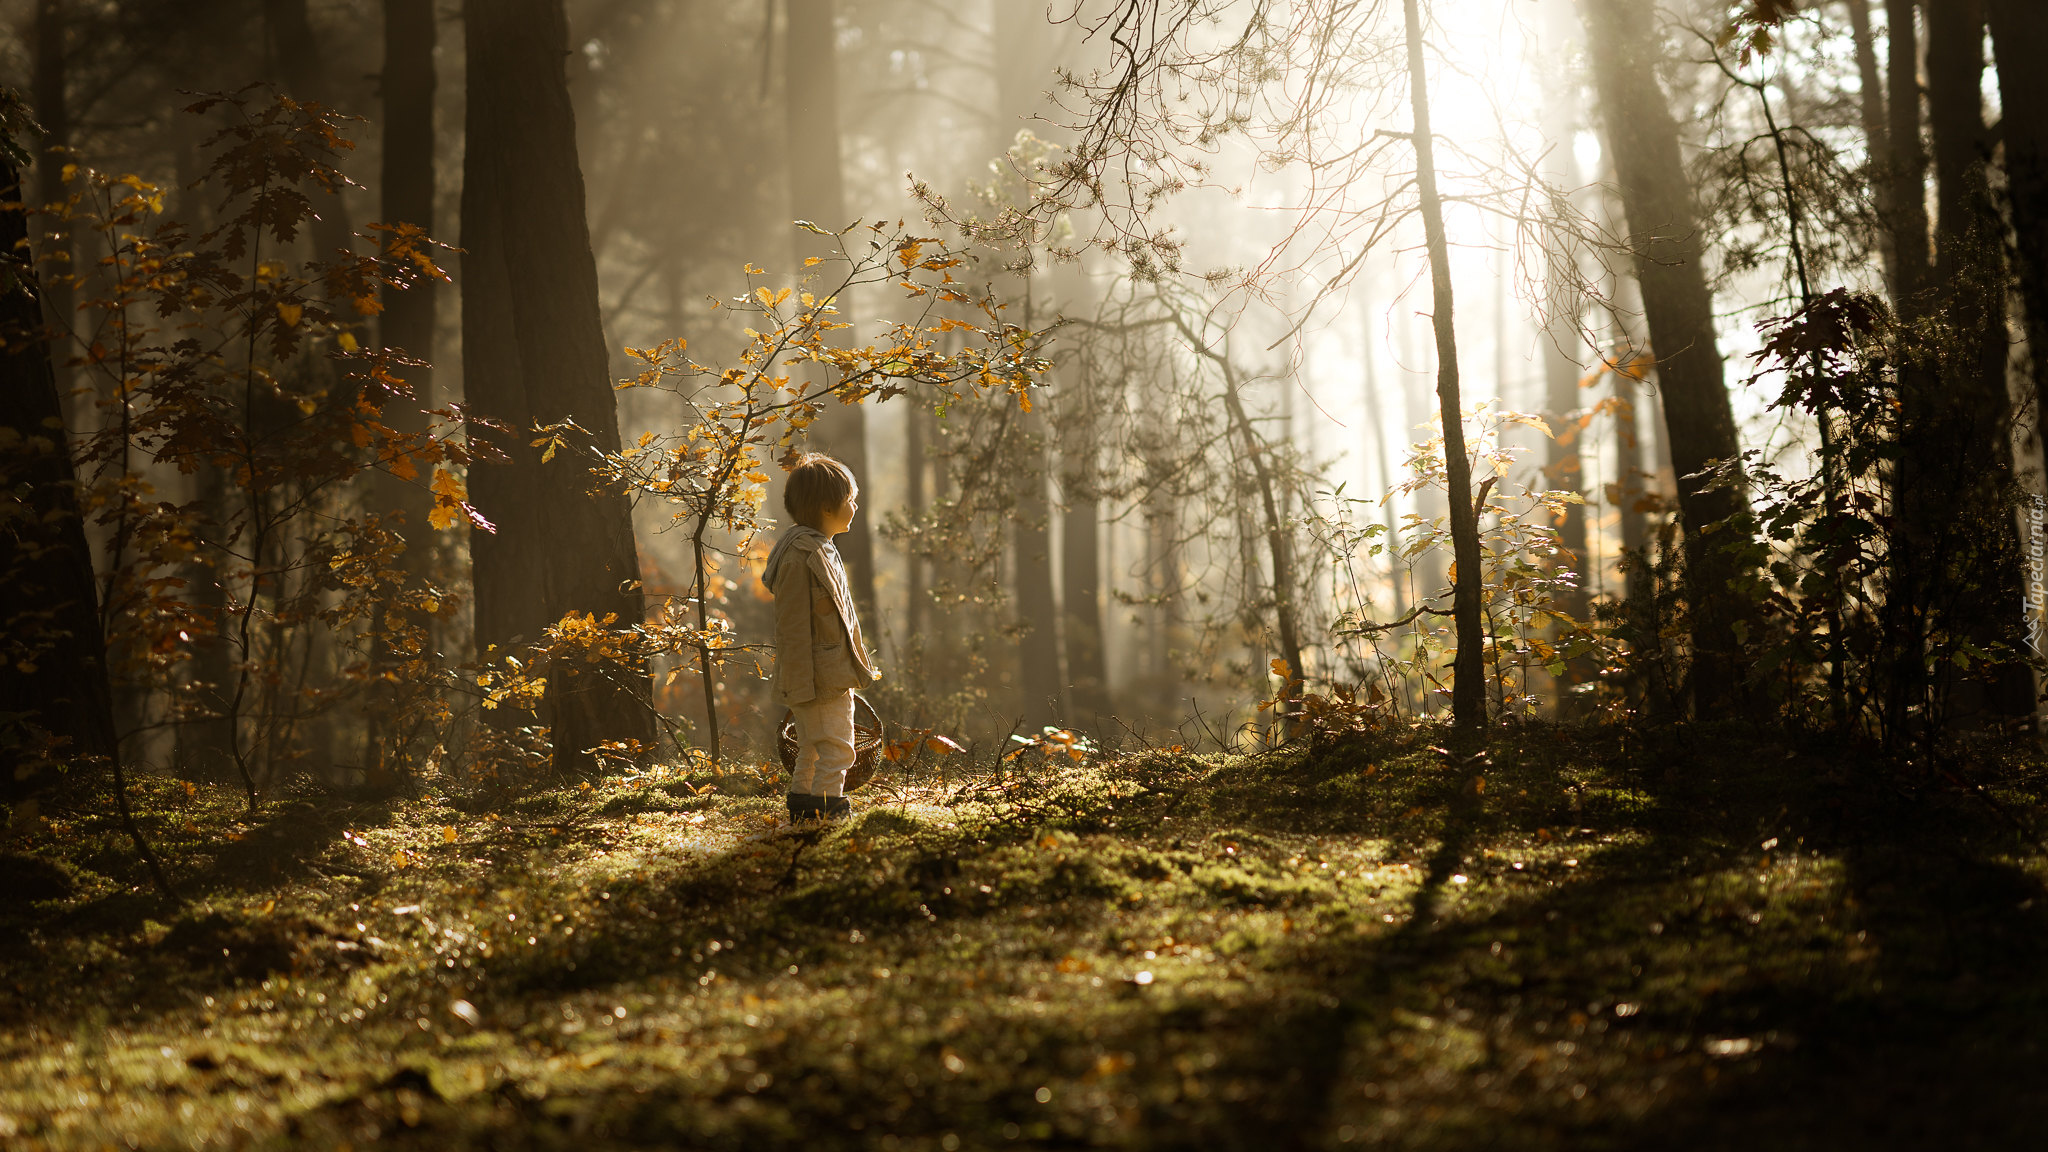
[1562,942]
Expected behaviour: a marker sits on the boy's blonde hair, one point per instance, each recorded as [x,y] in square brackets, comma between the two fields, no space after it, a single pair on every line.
[817,485]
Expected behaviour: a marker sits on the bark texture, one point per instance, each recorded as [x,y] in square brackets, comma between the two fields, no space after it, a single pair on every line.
[817,193]
[1906,172]
[2019,33]
[1020,60]
[1088,698]
[299,66]
[1562,340]
[1872,105]
[53,669]
[1657,198]
[534,353]
[408,177]
[53,112]
[1971,410]
[1468,668]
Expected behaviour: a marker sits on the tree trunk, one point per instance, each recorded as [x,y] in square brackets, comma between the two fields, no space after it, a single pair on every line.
[1376,431]
[1873,108]
[407,321]
[916,461]
[1906,170]
[1468,669]
[2019,30]
[1080,568]
[1038,648]
[1163,621]
[1562,468]
[817,193]
[205,743]
[53,110]
[1279,547]
[534,352]
[1916,509]
[1429,574]
[1629,481]
[59,674]
[54,674]
[1019,61]
[408,181]
[1656,197]
[295,58]
[1971,276]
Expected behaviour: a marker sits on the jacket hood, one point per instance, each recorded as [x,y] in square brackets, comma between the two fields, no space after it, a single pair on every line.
[796,538]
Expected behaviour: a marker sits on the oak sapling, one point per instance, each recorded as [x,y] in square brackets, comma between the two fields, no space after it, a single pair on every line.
[221,363]
[712,472]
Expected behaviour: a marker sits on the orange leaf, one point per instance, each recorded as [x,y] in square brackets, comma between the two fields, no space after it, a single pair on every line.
[449,493]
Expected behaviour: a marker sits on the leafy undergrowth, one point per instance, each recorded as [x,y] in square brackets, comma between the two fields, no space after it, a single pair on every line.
[1564,942]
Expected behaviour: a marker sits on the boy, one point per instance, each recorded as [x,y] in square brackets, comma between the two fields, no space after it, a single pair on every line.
[819,654]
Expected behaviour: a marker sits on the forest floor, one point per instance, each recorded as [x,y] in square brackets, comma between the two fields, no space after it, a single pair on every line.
[1574,940]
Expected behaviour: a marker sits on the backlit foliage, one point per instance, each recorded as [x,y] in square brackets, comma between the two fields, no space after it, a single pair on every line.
[236,406]
[798,359]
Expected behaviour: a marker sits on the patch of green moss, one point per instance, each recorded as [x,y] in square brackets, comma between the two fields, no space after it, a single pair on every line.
[1559,943]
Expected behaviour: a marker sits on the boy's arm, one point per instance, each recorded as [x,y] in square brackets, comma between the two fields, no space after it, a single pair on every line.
[831,572]
[793,633]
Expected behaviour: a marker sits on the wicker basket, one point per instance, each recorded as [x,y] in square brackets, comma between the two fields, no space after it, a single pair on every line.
[867,744]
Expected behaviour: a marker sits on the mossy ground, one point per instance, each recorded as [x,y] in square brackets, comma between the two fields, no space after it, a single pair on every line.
[1574,940]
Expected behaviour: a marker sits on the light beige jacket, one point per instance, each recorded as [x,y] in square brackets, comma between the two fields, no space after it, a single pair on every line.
[818,645]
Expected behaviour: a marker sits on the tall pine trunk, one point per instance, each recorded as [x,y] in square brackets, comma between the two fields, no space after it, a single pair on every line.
[408,183]
[1872,105]
[297,63]
[1081,560]
[817,193]
[1468,669]
[1699,422]
[1383,469]
[2019,32]
[54,677]
[58,675]
[1906,160]
[1020,61]
[53,109]
[1562,468]
[1916,509]
[533,345]
[407,321]
[1970,272]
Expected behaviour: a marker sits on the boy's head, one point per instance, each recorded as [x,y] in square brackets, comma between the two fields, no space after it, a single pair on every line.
[818,485]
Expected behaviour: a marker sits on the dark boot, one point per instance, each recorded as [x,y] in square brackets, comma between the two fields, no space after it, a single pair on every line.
[804,806]
[834,808]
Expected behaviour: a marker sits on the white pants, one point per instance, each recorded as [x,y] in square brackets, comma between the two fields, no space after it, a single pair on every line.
[824,744]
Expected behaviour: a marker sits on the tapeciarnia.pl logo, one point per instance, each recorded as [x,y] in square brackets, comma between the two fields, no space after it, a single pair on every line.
[2037,570]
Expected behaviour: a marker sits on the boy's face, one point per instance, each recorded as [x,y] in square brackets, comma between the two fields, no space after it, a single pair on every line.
[839,519]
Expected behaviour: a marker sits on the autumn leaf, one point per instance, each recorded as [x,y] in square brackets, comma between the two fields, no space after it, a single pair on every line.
[449,494]
[1754,26]
[404,467]
[290,313]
